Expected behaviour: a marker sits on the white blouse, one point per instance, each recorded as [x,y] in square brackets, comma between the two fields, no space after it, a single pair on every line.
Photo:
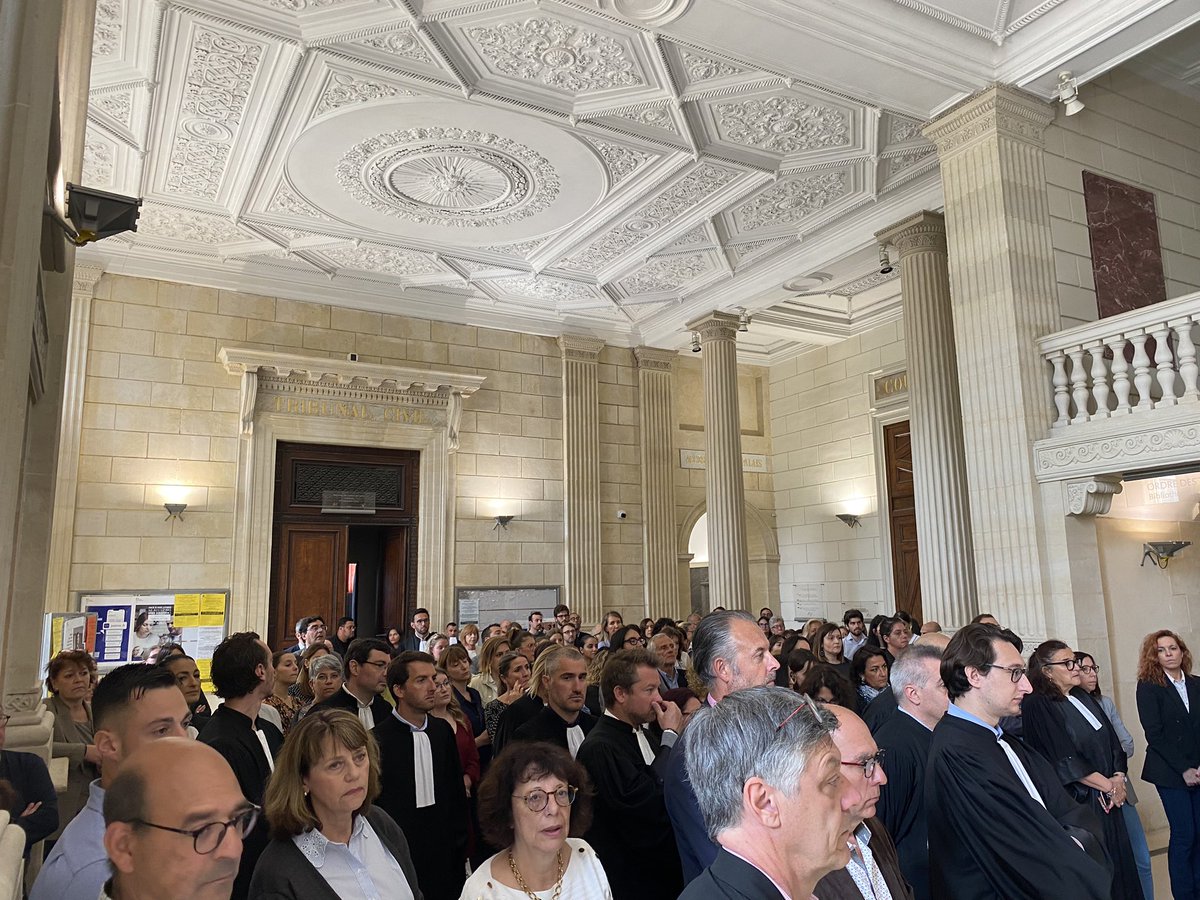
[583,880]
[362,868]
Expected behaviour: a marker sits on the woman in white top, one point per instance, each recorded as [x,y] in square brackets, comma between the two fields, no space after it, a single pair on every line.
[329,842]
[532,797]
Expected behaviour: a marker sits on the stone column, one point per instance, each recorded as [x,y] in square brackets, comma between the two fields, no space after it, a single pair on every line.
[1002,282]
[728,563]
[581,473]
[947,563]
[659,556]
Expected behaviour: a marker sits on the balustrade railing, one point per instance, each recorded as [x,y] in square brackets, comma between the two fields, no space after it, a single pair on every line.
[1127,364]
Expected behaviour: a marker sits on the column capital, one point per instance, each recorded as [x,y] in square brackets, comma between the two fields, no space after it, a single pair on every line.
[84,278]
[579,348]
[654,359]
[715,326]
[924,230]
[1091,496]
[999,110]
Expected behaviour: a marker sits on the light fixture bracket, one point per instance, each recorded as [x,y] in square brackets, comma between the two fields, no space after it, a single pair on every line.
[174,511]
[850,520]
[502,522]
[1162,552]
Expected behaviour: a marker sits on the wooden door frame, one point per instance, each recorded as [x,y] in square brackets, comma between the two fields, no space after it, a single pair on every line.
[880,419]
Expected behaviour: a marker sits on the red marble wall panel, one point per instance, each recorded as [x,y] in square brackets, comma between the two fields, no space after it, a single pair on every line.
[1126,255]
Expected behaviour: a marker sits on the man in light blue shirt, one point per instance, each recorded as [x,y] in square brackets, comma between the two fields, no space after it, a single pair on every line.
[133,705]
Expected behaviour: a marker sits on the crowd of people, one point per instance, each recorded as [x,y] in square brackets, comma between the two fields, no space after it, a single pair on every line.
[719,756]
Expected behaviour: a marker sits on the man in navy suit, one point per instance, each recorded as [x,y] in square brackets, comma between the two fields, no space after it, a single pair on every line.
[417,637]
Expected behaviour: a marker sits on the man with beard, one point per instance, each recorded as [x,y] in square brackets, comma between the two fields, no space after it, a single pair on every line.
[729,653]
[559,679]
[626,764]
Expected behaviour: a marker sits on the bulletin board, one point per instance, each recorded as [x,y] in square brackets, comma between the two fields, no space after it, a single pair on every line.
[483,605]
[131,626]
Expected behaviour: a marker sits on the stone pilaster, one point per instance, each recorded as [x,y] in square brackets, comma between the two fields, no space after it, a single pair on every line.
[1002,282]
[581,473]
[728,563]
[659,555]
[947,563]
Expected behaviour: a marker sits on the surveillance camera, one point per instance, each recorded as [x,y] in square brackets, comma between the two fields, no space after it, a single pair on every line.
[621,514]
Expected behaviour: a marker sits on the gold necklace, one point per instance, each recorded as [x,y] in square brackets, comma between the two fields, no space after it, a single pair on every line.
[521,881]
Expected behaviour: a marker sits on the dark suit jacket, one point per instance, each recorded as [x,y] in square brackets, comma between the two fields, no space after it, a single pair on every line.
[839,884]
[1172,732]
[380,708]
[410,641]
[284,873]
[696,849]
[30,778]
[732,878]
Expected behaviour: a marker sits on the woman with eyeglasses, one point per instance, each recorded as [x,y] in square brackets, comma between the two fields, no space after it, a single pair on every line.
[1168,702]
[1089,680]
[1067,726]
[328,840]
[531,799]
[627,637]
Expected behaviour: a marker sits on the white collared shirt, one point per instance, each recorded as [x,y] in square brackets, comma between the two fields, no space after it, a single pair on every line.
[1181,686]
[364,710]
[862,866]
[363,867]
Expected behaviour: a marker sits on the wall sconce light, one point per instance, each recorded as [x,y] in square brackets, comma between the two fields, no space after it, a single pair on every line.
[1162,552]
[743,320]
[174,511]
[93,215]
[885,262]
[1068,94]
[849,519]
[695,342]
[502,522]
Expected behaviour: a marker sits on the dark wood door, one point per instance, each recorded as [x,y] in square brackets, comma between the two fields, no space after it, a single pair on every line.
[396,604]
[902,525]
[309,577]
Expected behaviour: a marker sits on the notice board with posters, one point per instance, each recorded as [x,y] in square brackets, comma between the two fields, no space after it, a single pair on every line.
[131,627]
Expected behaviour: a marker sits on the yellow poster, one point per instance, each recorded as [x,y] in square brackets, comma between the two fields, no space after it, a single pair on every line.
[187,610]
[212,609]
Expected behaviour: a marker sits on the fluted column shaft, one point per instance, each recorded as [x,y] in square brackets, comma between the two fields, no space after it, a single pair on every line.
[659,554]
[728,563]
[944,543]
[581,473]
[1002,281]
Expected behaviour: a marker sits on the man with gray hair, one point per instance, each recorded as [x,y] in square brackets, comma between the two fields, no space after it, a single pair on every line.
[769,783]
[883,707]
[921,702]
[729,653]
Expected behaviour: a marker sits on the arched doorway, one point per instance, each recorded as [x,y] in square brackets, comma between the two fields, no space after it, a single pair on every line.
[762,548]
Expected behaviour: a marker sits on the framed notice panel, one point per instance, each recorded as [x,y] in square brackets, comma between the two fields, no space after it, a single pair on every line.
[485,605]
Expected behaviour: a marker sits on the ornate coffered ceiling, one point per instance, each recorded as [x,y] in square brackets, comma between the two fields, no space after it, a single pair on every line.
[606,166]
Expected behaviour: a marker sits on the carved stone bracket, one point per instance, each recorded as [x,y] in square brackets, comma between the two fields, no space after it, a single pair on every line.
[998,110]
[1093,496]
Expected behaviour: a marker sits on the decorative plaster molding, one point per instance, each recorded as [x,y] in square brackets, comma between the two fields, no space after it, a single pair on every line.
[789,201]
[84,278]
[577,348]
[1000,109]
[922,231]
[1093,496]
[647,13]
[668,273]
[1167,437]
[782,124]
[715,326]
[653,359]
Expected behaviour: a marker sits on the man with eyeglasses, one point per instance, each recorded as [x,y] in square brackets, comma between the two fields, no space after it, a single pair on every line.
[1000,823]
[626,764]
[873,872]
[133,705]
[366,679]
[175,818]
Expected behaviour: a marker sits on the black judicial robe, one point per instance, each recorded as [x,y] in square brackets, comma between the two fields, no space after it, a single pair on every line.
[231,734]
[731,878]
[989,840]
[629,820]
[437,834]
[550,727]
[1058,731]
[901,805]
[880,710]
[380,708]
[518,713]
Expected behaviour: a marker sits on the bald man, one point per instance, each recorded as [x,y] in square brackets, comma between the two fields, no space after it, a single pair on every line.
[174,821]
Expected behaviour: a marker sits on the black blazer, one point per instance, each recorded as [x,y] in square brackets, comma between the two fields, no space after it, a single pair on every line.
[341,699]
[284,873]
[29,777]
[731,878]
[1172,732]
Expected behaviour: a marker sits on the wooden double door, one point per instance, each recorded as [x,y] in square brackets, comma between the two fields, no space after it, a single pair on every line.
[344,538]
[902,517]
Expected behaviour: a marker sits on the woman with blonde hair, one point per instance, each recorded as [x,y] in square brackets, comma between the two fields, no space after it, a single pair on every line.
[329,841]
[469,638]
[486,682]
[593,699]
[1168,702]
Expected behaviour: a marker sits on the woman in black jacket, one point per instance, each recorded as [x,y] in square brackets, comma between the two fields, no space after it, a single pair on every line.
[323,826]
[1168,700]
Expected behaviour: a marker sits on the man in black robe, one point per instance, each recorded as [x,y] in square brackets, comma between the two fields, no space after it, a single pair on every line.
[244,677]
[917,680]
[366,679]
[421,780]
[626,764]
[559,679]
[1000,824]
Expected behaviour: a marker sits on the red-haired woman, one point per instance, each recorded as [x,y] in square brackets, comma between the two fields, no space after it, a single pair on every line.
[1168,700]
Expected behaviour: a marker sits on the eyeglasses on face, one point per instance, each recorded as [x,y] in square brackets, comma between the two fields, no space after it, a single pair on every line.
[867,765]
[1069,664]
[536,800]
[207,838]
[1090,670]
[638,641]
[1016,673]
